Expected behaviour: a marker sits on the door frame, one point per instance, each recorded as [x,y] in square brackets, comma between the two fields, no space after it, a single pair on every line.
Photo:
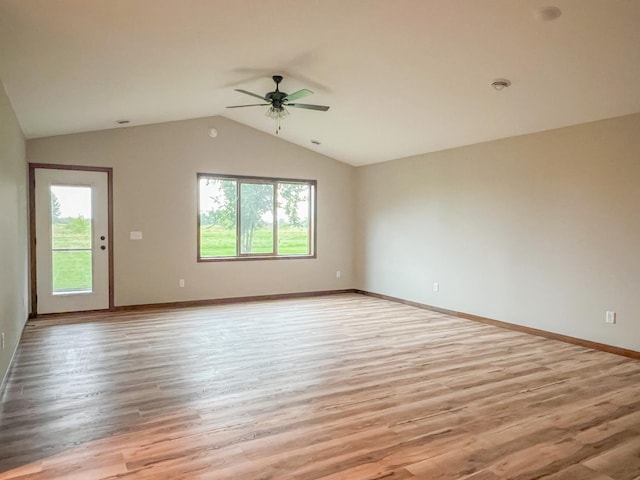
[32,227]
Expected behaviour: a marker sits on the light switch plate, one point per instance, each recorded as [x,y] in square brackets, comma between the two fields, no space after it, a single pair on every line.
[135,235]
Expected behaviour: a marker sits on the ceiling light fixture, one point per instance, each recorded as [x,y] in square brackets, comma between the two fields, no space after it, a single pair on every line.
[500,84]
[277,113]
[547,14]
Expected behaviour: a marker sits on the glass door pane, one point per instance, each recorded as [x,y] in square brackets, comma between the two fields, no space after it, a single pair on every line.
[71,239]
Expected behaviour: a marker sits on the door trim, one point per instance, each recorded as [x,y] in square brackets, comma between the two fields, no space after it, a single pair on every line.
[32,226]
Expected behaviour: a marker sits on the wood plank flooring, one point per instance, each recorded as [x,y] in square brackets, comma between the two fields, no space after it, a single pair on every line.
[337,387]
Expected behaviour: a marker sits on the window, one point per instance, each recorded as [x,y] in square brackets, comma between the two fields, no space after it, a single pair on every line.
[254,217]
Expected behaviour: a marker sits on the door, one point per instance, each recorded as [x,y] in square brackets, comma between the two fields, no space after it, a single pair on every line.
[71,234]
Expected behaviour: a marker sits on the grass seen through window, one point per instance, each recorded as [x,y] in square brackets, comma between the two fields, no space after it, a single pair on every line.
[72,269]
[216,241]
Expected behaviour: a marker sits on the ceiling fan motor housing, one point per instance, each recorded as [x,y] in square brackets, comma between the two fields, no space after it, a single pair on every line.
[276,97]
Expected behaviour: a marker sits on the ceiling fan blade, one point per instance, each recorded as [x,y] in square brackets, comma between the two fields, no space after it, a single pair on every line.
[322,108]
[299,94]
[249,93]
[252,105]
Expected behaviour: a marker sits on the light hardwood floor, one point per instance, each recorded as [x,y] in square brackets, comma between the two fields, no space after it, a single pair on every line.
[338,387]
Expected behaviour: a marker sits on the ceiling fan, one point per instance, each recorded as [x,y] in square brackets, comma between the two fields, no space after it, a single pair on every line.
[277,102]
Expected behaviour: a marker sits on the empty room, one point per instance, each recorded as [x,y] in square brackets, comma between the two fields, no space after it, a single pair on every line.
[304,240]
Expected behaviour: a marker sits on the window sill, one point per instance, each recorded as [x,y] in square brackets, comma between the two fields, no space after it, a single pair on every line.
[254,257]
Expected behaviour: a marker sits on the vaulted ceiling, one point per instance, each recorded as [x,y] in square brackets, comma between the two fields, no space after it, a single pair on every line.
[402,77]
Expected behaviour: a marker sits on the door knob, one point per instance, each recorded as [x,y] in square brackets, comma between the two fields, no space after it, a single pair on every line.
[102,247]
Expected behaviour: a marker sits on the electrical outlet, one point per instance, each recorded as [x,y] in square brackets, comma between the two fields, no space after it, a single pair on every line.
[436,287]
[338,274]
[181,282]
[610,317]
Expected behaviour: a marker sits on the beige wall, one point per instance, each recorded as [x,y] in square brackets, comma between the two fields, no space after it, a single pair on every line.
[155,192]
[541,230]
[13,232]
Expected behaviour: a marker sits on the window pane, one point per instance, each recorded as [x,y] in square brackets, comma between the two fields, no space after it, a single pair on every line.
[293,219]
[70,217]
[237,217]
[71,271]
[218,217]
[256,218]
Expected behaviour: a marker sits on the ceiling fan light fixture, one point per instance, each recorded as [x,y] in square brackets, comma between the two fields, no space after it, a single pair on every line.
[277,114]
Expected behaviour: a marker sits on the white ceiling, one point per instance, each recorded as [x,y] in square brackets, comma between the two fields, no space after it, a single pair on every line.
[402,77]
